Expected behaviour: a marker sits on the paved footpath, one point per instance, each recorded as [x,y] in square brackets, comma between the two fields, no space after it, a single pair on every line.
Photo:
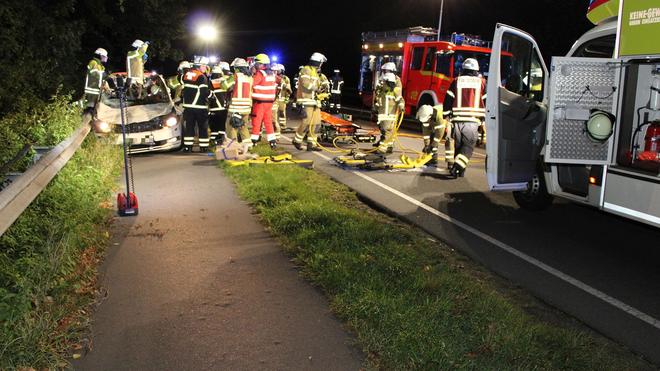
[195,282]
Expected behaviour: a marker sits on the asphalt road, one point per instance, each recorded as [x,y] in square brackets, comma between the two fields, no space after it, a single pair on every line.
[195,282]
[600,268]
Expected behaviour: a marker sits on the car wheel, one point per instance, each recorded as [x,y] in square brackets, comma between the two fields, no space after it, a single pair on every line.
[536,197]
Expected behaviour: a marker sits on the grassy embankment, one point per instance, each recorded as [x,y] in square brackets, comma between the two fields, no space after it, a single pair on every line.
[412,302]
[49,255]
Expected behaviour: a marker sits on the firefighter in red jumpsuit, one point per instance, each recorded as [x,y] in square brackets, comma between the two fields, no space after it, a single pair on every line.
[464,105]
[264,90]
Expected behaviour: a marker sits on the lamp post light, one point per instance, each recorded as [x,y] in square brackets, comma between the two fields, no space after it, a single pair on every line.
[207,33]
[442,5]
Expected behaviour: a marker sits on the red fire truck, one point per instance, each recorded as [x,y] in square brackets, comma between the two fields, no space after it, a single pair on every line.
[427,66]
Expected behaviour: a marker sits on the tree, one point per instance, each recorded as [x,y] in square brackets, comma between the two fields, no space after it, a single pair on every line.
[47,44]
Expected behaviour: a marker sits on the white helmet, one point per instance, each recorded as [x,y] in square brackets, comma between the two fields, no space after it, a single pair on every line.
[183,65]
[216,69]
[471,64]
[389,77]
[200,61]
[318,57]
[424,113]
[101,52]
[137,43]
[224,66]
[277,67]
[388,67]
[239,62]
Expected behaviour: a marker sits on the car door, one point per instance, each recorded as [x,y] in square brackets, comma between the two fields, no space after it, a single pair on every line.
[516,109]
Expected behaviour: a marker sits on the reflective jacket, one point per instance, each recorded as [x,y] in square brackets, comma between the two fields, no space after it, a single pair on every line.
[284,89]
[195,90]
[337,84]
[264,87]
[176,86]
[94,79]
[240,86]
[466,97]
[308,85]
[387,101]
[135,65]
[218,97]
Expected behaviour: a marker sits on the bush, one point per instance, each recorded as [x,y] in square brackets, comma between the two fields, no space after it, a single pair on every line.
[39,124]
[48,256]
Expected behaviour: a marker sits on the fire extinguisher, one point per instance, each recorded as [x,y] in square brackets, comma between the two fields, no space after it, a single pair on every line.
[652,142]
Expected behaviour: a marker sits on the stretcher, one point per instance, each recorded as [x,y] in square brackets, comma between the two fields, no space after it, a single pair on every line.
[375,161]
[337,129]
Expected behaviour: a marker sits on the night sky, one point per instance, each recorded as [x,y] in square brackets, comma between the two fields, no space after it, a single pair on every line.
[295,29]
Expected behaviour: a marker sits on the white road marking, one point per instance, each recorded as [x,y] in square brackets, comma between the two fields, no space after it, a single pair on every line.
[537,263]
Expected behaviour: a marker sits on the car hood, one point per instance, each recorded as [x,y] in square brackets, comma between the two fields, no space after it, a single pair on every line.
[137,113]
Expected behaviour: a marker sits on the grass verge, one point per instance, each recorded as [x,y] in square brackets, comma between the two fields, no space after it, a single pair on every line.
[48,260]
[412,302]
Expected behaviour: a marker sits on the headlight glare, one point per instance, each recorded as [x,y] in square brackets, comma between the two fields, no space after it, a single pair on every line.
[171,122]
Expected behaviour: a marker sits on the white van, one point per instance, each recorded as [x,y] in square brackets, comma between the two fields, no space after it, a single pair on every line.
[588,130]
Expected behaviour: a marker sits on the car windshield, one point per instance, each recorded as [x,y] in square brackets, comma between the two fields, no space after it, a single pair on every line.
[154,90]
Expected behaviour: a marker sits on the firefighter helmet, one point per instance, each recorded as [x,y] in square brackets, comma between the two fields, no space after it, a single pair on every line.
[137,43]
[471,64]
[239,62]
[262,58]
[216,69]
[424,113]
[318,57]
[276,67]
[388,67]
[101,52]
[200,61]
[224,65]
[184,65]
[600,125]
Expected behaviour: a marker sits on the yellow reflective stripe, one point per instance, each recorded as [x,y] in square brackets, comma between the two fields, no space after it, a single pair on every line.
[462,161]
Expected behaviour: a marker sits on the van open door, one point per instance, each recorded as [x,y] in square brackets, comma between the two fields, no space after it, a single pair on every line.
[515,109]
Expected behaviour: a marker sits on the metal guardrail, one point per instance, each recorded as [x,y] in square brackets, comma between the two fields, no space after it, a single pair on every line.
[23,190]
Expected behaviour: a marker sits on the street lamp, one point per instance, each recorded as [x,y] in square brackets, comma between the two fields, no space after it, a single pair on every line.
[442,5]
[207,33]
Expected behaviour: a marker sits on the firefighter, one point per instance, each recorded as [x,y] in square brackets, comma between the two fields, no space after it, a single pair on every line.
[388,103]
[135,60]
[283,94]
[239,88]
[94,81]
[434,129]
[386,68]
[465,108]
[264,90]
[308,85]
[218,102]
[195,106]
[335,92]
[175,83]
